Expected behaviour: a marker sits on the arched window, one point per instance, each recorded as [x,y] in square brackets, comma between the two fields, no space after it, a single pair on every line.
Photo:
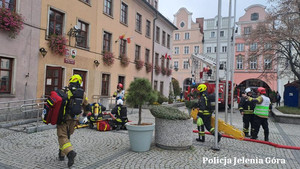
[254,16]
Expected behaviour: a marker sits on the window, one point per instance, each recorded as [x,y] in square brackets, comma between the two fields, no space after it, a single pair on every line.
[6,74]
[157,34]
[56,22]
[186,35]
[9,4]
[185,64]
[224,49]
[239,62]
[124,13]
[162,88]
[162,61]
[208,50]
[253,63]
[268,63]
[137,52]
[182,24]
[168,41]
[155,4]
[105,84]
[121,79]
[155,85]
[186,50]
[240,47]
[138,22]
[222,34]
[106,41]
[196,49]
[83,76]
[156,59]
[247,30]
[268,46]
[123,45]
[215,49]
[163,42]
[176,64]
[212,34]
[82,41]
[176,49]
[254,16]
[177,36]
[168,63]
[53,79]
[253,47]
[147,56]
[108,7]
[148,28]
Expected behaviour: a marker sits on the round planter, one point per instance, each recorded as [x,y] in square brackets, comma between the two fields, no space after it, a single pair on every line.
[140,136]
[173,134]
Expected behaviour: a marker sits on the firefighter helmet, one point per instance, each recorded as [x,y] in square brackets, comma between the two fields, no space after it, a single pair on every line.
[261,90]
[120,86]
[202,87]
[76,78]
[248,90]
[120,102]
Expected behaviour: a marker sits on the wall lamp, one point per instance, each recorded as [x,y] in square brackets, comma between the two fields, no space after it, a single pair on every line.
[74,32]
[43,52]
[96,63]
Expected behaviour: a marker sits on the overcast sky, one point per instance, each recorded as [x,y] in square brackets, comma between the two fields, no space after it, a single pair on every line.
[205,8]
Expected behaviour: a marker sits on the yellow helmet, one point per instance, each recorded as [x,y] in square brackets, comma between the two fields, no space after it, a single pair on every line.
[202,87]
[76,78]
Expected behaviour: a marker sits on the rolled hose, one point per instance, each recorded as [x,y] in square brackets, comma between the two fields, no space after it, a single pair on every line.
[258,141]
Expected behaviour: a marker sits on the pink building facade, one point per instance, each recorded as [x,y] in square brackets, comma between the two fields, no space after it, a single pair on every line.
[252,71]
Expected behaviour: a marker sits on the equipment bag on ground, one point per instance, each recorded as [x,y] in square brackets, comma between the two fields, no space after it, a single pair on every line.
[103,125]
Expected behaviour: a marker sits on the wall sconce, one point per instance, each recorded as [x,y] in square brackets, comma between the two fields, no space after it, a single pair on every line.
[96,63]
[43,52]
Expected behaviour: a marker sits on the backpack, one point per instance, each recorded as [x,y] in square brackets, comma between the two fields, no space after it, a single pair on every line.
[103,126]
[54,109]
[75,102]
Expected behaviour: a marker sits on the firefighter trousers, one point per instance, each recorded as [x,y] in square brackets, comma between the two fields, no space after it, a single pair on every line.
[257,122]
[64,131]
[247,121]
[206,121]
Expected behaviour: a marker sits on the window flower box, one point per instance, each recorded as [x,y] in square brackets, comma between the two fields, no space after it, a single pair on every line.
[149,67]
[10,22]
[157,69]
[124,60]
[57,44]
[139,64]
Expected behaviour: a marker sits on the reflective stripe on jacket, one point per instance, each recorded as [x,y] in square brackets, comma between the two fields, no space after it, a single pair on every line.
[262,109]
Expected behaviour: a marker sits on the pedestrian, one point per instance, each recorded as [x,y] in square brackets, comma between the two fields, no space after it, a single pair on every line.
[66,129]
[246,108]
[261,113]
[204,114]
[120,93]
[278,98]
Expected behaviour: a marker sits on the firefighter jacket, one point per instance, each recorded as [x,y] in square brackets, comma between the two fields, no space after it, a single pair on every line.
[246,106]
[204,104]
[120,111]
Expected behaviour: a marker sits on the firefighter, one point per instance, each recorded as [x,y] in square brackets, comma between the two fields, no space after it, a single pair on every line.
[261,113]
[96,114]
[66,129]
[204,114]
[246,108]
[120,93]
[120,113]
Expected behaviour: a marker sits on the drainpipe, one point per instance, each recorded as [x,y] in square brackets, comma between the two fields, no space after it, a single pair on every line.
[153,42]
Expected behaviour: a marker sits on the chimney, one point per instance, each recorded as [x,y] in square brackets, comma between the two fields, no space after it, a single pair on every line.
[200,21]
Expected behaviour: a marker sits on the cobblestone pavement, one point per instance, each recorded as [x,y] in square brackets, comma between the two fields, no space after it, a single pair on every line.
[111,149]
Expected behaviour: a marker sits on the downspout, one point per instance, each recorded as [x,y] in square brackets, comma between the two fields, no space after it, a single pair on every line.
[152,72]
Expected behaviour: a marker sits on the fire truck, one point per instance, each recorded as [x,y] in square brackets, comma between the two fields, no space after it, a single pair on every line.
[204,75]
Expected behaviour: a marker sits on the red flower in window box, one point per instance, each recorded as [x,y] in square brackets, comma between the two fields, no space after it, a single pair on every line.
[108,58]
[11,22]
[149,67]
[164,70]
[139,64]
[57,44]
[124,60]
[169,72]
[157,69]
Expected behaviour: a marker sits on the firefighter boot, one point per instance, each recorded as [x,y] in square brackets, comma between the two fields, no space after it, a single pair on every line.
[60,157]
[201,134]
[219,137]
[71,155]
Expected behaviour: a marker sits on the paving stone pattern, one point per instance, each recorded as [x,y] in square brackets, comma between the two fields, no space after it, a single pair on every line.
[112,150]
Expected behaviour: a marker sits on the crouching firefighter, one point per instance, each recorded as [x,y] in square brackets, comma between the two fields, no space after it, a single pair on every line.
[96,114]
[120,113]
[76,100]
[204,114]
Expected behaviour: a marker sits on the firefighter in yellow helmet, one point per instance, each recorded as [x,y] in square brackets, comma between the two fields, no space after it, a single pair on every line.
[66,129]
[204,114]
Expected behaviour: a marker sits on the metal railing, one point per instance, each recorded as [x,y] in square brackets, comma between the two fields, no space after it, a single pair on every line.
[107,101]
[39,107]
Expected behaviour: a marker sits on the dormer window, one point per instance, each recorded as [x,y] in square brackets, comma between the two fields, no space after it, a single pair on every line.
[182,24]
[254,16]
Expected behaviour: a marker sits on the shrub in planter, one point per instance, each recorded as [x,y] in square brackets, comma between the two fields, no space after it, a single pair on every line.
[139,64]
[57,44]
[173,128]
[124,60]
[10,22]
[108,58]
[149,67]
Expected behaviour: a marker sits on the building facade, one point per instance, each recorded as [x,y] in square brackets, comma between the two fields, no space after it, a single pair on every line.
[19,56]
[187,40]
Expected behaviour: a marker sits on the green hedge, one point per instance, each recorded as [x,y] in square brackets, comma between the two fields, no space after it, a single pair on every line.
[190,104]
[169,113]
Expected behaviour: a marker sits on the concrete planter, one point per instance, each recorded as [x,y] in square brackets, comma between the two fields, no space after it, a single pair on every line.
[173,134]
[140,136]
